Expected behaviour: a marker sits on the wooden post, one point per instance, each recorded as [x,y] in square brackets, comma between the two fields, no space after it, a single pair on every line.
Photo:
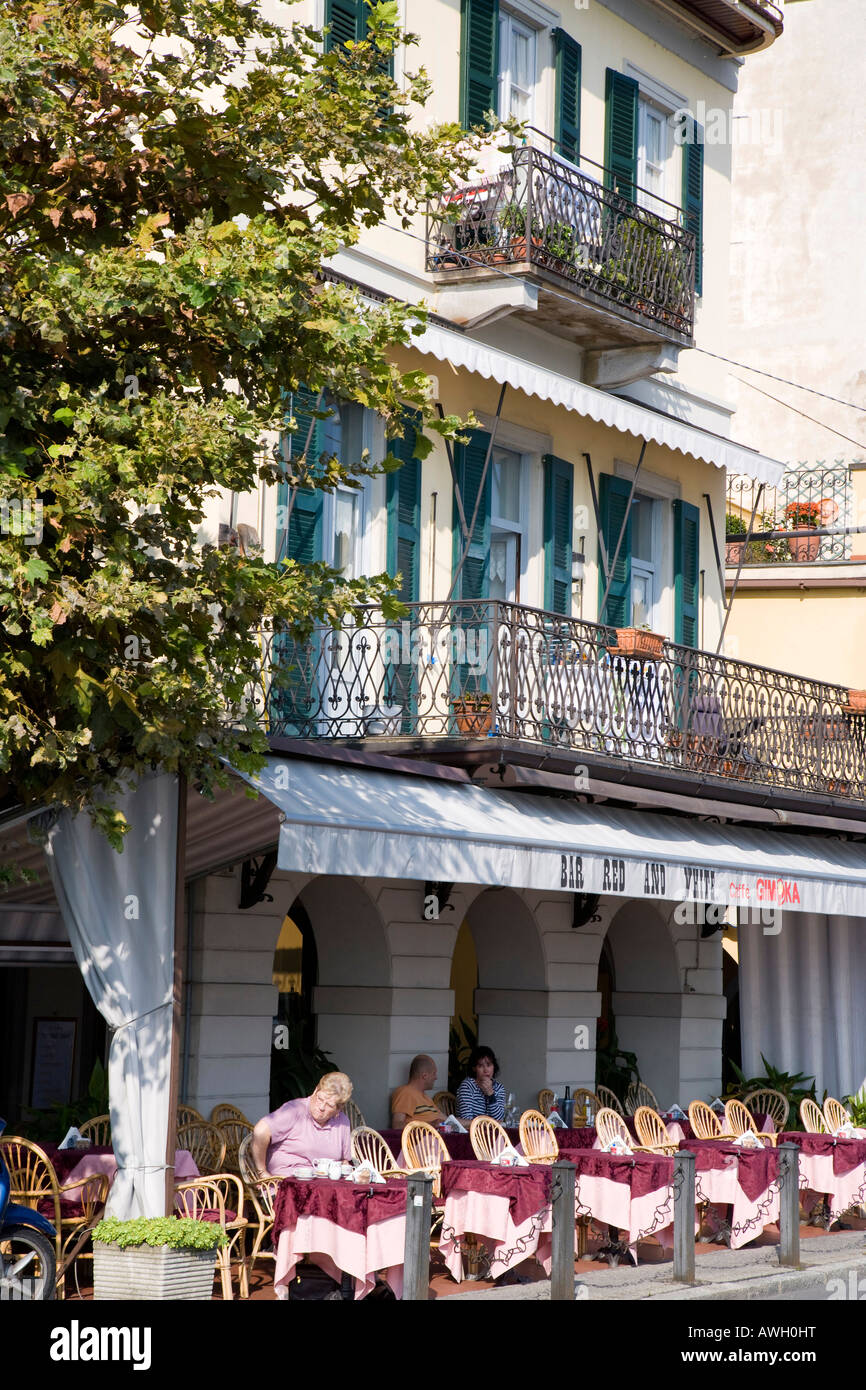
[416,1251]
[684,1217]
[177,993]
[789,1205]
[562,1256]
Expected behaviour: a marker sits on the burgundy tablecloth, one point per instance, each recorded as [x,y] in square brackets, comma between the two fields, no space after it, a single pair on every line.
[643,1172]
[848,1154]
[756,1168]
[527,1189]
[352,1206]
[64,1160]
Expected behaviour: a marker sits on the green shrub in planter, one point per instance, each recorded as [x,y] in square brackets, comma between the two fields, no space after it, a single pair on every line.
[162,1257]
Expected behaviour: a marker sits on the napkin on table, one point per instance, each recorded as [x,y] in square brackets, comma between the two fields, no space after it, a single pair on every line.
[453,1125]
[70,1138]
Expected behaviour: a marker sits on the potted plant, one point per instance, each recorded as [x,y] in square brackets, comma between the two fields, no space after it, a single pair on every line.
[856,702]
[734,550]
[803,516]
[639,642]
[164,1257]
[473,714]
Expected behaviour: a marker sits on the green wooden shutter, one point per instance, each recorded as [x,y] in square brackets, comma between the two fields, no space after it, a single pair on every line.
[567,132]
[404,515]
[693,195]
[613,501]
[347,20]
[474,581]
[558,525]
[687,533]
[620,136]
[479,60]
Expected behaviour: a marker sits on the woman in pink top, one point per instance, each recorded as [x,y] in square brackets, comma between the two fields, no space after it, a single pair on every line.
[303,1131]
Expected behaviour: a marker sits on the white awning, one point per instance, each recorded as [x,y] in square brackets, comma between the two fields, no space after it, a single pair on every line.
[638,420]
[381,825]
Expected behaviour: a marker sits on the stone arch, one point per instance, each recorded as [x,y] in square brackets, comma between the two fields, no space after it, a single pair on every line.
[512,999]
[648,997]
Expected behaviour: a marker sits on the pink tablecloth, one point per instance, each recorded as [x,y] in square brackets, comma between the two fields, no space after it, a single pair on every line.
[835,1168]
[103,1161]
[507,1208]
[350,1228]
[633,1193]
[747,1180]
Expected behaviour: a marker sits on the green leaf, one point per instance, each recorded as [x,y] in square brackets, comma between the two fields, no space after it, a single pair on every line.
[36,571]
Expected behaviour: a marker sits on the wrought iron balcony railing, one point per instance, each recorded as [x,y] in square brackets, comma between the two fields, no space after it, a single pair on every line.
[544,211]
[472,671]
[819,499]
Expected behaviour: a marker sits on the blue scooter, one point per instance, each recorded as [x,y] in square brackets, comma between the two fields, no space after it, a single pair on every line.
[28,1262]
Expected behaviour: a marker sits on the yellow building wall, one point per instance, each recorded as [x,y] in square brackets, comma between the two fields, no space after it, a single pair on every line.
[820,633]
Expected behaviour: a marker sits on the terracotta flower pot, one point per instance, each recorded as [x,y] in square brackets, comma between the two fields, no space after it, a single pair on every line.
[857,701]
[634,641]
[804,547]
[734,552]
[473,718]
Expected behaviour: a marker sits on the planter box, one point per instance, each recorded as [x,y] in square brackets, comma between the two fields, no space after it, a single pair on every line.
[146,1272]
[634,641]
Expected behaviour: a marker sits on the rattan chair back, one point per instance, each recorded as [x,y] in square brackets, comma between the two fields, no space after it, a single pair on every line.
[33,1183]
[739,1120]
[226,1111]
[97,1130]
[651,1131]
[220,1198]
[835,1114]
[353,1115]
[608,1100]
[368,1146]
[545,1101]
[423,1146]
[206,1143]
[445,1102]
[813,1119]
[769,1102]
[488,1138]
[704,1121]
[610,1125]
[538,1138]
[234,1132]
[639,1094]
[186,1114]
[586,1100]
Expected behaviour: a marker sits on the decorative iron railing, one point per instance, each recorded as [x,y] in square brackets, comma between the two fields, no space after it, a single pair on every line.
[807,499]
[545,211]
[494,670]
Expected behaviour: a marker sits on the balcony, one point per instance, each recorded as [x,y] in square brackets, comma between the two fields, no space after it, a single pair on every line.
[482,682]
[607,271]
[807,519]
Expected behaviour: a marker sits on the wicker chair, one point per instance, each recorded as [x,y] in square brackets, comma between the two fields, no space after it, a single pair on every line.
[488,1138]
[368,1146]
[610,1125]
[538,1138]
[638,1094]
[234,1132]
[739,1121]
[445,1102]
[424,1151]
[545,1101]
[206,1143]
[261,1194]
[812,1117]
[705,1122]
[609,1101]
[186,1114]
[226,1111]
[97,1130]
[584,1100]
[769,1102]
[220,1198]
[835,1114]
[353,1115]
[651,1131]
[34,1184]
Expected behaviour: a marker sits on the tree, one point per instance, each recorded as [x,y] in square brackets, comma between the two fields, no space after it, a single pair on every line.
[170,189]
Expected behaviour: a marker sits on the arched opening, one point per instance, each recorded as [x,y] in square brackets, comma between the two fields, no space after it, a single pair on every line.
[647,998]
[463,1032]
[293,1050]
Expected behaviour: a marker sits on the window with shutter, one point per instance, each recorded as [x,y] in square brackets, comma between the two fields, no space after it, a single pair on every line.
[479,60]
[687,532]
[621,133]
[693,195]
[567,132]
[403,557]
[613,500]
[474,579]
[558,525]
[347,21]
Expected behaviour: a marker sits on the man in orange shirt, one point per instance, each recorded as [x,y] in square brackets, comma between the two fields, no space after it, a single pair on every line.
[411,1102]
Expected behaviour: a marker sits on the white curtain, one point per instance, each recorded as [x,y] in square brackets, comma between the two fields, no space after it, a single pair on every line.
[802,997]
[119,912]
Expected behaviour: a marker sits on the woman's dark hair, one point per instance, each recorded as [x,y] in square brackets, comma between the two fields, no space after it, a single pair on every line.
[481,1054]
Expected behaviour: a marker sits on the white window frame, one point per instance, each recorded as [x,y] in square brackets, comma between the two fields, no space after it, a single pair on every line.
[504,525]
[508,22]
[665,490]
[656,95]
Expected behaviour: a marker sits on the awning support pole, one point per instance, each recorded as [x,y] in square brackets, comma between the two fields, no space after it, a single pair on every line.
[622,531]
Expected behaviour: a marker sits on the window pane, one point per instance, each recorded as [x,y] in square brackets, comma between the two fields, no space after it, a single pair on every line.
[642,529]
[345,530]
[506,485]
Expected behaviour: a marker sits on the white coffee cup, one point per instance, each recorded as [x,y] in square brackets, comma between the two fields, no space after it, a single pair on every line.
[335,1169]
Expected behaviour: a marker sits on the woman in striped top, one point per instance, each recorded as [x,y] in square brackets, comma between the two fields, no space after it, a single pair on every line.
[480,1093]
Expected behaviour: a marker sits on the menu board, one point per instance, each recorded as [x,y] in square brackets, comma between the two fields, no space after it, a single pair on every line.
[53,1055]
